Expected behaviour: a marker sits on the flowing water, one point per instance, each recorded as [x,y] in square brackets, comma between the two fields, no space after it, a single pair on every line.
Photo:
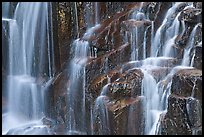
[163,40]
[76,87]
[31,58]
[76,94]
[26,97]
[155,93]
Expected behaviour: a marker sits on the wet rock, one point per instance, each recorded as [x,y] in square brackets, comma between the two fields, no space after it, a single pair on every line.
[48,122]
[134,31]
[5,46]
[194,111]
[108,36]
[118,90]
[124,117]
[182,40]
[175,121]
[188,82]
[103,64]
[159,73]
[99,82]
[134,78]
[183,116]
[65,31]
[31,129]
[131,23]
[158,12]
[184,111]
[56,98]
[59,129]
[127,84]
[121,98]
[191,15]
[196,56]
[197,5]
[4,87]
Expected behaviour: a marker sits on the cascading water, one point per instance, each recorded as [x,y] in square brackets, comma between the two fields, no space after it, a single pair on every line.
[186,56]
[76,87]
[155,93]
[101,112]
[31,59]
[27,44]
[134,36]
[159,36]
[76,94]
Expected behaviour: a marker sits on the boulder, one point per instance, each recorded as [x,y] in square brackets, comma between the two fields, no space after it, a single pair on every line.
[197,5]
[191,15]
[184,111]
[123,117]
[175,121]
[183,117]
[196,56]
[187,83]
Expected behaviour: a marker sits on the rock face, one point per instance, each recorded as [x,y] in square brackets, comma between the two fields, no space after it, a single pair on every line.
[196,56]
[122,104]
[69,22]
[188,83]
[191,15]
[113,84]
[184,112]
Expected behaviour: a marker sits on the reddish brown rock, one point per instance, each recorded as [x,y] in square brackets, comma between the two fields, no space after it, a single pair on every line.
[99,82]
[125,117]
[103,64]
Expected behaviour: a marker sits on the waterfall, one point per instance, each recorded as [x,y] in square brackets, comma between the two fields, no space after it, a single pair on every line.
[156,93]
[101,112]
[25,95]
[190,44]
[110,87]
[150,92]
[76,95]
[81,48]
[159,36]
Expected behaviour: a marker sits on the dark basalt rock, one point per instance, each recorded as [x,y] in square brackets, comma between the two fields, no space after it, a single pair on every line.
[183,117]
[196,56]
[197,5]
[109,61]
[184,111]
[125,117]
[175,121]
[191,15]
[182,40]
[188,82]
